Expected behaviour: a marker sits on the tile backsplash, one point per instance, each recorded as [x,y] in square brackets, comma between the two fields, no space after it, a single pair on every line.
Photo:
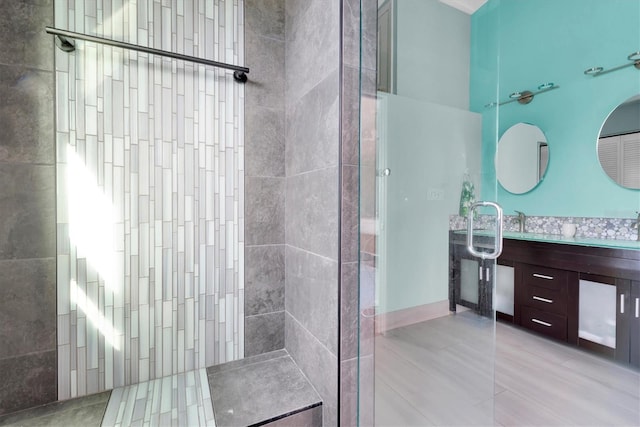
[596,228]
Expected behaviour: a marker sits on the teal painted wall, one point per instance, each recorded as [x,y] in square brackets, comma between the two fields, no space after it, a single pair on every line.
[520,44]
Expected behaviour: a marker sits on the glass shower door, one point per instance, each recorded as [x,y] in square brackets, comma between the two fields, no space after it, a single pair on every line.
[431,367]
[433,339]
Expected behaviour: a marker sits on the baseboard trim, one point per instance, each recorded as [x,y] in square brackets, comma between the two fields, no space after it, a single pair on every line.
[408,316]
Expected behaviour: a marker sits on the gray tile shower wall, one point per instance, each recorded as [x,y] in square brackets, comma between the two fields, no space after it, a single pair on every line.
[311,296]
[312,45]
[312,129]
[27,207]
[264,177]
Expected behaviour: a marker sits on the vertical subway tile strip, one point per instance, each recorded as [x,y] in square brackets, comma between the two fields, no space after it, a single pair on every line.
[150,193]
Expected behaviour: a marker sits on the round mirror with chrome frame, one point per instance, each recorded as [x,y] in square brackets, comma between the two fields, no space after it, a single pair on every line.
[521,158]
[618,145]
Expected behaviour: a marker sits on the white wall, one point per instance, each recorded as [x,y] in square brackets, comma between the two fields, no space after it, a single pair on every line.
[433,52]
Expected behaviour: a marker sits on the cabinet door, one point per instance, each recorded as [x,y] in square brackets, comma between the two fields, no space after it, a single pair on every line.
[634,327]
[470,281]
[598,315]
[464,278]
[505,284]
[471,284]
[623,320]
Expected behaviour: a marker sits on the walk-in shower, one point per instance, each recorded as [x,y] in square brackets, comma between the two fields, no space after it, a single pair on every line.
[175,218]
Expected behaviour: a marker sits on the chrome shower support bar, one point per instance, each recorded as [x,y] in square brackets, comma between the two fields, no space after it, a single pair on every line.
[63,36]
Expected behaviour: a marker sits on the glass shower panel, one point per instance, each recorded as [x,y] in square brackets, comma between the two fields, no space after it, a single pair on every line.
[435,361]
[419,346]
[431,367]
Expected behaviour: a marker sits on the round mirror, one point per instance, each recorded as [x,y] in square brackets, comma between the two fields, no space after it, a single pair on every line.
[619,144]
[521,158]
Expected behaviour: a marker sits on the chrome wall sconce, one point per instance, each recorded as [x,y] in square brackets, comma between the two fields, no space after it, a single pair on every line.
[526,96]
[634,59]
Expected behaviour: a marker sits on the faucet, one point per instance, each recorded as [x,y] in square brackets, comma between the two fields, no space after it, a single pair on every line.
[522,219]
[637,225]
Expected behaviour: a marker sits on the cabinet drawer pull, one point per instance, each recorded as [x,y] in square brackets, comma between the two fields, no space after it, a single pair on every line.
[621,303]
[537,298]
[542,276]
[540,322]
[637,307]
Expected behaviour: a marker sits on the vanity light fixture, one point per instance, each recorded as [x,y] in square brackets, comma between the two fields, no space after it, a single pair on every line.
[524,97]
[634,57]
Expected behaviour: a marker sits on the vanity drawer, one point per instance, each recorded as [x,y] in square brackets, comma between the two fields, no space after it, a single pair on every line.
[544,277]
[546,299]
[551,324]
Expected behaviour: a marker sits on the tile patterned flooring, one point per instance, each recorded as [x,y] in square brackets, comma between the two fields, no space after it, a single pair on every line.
[441,372]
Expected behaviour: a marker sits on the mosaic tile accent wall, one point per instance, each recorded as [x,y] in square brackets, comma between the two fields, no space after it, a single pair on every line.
[150,179]
[593,228]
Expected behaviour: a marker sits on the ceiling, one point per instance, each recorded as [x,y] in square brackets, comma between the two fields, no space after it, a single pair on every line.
[467,6]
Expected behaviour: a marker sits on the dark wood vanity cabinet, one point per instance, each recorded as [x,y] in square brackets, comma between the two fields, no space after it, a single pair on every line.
[547,281]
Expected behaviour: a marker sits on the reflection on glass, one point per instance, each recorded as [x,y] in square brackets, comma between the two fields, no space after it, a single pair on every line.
[522,158]
[619,144]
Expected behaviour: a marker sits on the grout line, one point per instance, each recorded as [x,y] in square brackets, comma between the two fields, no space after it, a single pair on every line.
[265,245]
[299,174]
[309,332]
[260,314]
[310,253]
[262,36]
[263,177]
